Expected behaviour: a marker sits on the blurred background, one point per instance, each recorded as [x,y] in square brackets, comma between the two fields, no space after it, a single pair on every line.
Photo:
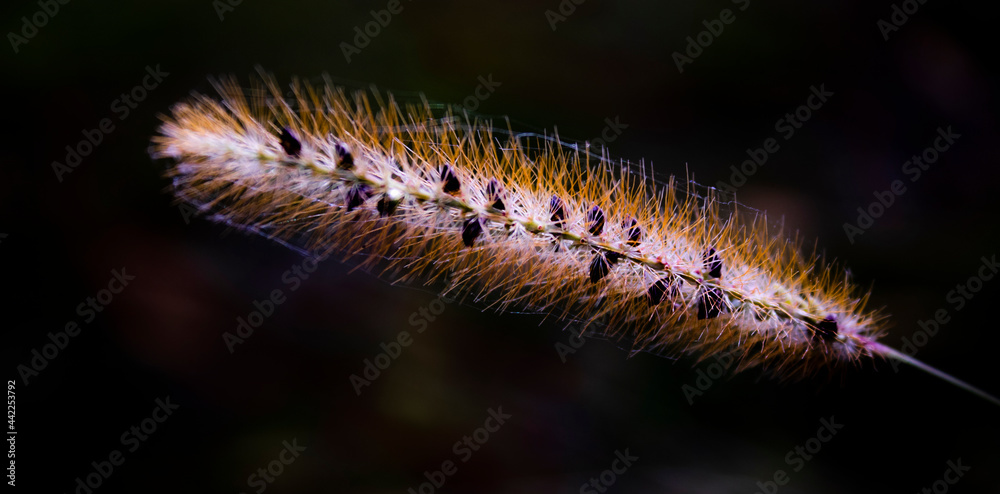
[569,66]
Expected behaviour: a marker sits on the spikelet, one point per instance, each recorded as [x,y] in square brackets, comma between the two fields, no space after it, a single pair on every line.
[514,222]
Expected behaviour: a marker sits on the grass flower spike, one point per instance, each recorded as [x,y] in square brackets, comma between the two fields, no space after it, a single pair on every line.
[515,222]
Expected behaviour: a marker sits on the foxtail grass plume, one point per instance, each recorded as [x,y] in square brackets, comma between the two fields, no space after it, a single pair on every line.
[516,222]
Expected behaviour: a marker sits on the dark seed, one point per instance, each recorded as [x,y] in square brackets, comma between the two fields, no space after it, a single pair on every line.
[558,211]
[595,220]
[710,303]
[492,189]
[344,157]
[386,206]
[613,257]
[470,230]
[450,180]
[494,192]
[357,195]
[713,264]
[658,289]
[634,232]
[599,267]
[289,143]
[826,329]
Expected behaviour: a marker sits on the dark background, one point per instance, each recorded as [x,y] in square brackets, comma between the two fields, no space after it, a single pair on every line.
[162,335]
